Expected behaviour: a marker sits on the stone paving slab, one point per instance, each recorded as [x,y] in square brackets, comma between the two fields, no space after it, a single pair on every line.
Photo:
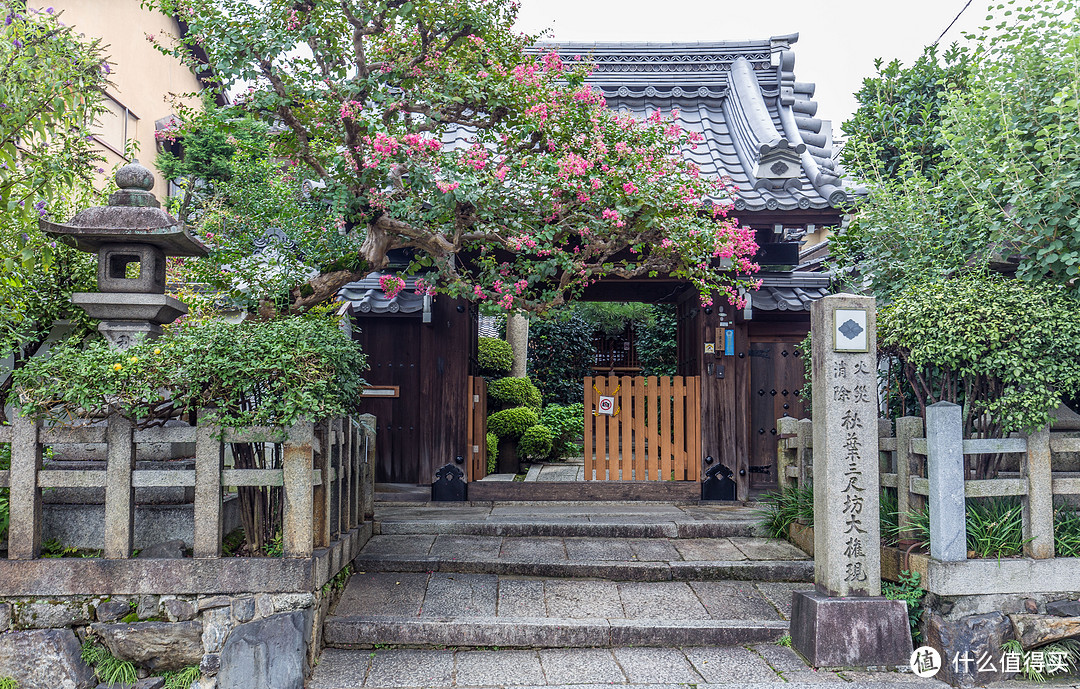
[408,595]
[762,666]
[604,519]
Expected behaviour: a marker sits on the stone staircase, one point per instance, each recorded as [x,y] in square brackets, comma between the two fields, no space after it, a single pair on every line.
[516,595]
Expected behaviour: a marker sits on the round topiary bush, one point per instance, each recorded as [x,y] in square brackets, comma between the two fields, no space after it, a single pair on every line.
[536,442]
[515,392]
[512,423]
[492,452]
[494,356]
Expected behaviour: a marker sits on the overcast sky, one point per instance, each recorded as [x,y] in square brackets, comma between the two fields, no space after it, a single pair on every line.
[838,39]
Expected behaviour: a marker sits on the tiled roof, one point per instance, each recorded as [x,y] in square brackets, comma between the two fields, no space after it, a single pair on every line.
[759,124]
[366,296]
[793,291]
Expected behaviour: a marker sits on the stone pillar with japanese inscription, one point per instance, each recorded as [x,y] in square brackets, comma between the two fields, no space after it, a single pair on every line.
[847,559]
[845,621]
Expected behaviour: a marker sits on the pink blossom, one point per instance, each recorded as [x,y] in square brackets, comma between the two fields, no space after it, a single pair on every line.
[391,285]
[447,187]
[630,188]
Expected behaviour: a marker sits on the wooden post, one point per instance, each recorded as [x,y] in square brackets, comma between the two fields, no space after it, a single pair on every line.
[298,538]
[24,530]
[907,427]
[119,491]
[209,460]
[1039,501]
[787,427]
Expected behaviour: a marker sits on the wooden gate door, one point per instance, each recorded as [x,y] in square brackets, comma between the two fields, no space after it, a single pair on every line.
[776,378]
[476,467]
[653,432]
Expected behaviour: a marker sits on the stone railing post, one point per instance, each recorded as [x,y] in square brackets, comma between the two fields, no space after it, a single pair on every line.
[24,529]
[945,471]
[209,461]
[805,458]
[788,428]
[1039,501]
[298,521]
[367,488]
[119,489]
[907,427]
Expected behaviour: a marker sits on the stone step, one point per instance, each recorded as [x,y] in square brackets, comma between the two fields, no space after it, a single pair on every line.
[485,610]
[578,519]
[756,666]
[627,559]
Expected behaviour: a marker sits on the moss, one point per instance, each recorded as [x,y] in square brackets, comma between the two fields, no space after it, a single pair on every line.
[492,452]
[131,617]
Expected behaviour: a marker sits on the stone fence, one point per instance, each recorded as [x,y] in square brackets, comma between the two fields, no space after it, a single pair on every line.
[168,612]
[927,469]
[326,480]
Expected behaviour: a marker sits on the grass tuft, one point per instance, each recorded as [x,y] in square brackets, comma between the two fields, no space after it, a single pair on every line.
[108,668]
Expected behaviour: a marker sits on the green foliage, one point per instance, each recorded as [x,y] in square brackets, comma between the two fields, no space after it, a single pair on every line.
[183,678]
[108,668]
[657,350]
[908,589]
[995,179]
[492,452]
[494,356]
[371,129]
[275,547]
[1066,531]
[256,373]
[784,641]
[567,424]
[611,318]
[512,423]
[1000,347]
[888,507]
[514,392]
[899,114]
[52,89]
[5,507]
[1039,671]
[237,191]
[536,442]
[560,354]
[785,507]
[995,527]
[1014,138]
[8,683]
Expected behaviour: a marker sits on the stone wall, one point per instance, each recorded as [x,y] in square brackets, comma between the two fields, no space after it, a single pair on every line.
[268,640]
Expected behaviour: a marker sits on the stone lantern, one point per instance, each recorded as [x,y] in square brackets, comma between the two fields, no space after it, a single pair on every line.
[131,237]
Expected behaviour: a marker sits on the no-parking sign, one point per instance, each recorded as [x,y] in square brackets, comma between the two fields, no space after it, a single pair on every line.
[606,405]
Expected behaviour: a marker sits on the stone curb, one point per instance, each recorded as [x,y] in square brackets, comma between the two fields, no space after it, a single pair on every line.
[540,632]
[738,570]
[690,529]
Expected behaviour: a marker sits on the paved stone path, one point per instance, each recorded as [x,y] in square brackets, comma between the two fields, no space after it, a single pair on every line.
[582,595]
[759,665]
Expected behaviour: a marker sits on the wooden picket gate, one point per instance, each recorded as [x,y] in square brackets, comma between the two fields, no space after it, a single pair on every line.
[476,467]
[654,434]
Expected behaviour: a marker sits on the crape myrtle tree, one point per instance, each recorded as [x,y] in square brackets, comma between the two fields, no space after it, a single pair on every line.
[548,192]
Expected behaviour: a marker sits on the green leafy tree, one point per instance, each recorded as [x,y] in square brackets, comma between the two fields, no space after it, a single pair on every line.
[51,85]
[550,191]
[1014,138]
[1003,349]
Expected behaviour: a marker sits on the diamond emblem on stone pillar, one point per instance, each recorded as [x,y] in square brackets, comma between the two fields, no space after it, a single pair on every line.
[850,329]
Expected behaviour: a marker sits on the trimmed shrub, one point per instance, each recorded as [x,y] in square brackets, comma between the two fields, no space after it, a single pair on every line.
[512,423]
[536,442]
[494,356]
[515,392]
[492,452]
[567,424]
